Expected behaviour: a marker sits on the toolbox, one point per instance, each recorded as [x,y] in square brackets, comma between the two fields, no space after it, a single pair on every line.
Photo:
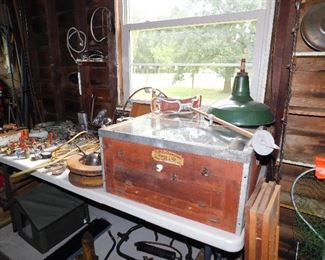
[46,215]
[182,164]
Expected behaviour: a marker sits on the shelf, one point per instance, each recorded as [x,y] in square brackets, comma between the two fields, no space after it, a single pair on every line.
[306,111]
[309,54]
[90,61]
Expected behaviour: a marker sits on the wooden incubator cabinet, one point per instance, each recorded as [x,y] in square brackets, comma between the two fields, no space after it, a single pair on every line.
[182,165]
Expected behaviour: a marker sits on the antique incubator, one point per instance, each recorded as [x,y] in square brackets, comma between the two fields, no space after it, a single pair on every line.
[183,165]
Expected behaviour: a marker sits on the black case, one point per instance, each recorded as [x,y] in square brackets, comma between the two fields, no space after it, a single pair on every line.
[47,215]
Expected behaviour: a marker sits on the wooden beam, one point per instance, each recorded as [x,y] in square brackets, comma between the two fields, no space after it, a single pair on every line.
[55,57]
[278,78]
[80,17]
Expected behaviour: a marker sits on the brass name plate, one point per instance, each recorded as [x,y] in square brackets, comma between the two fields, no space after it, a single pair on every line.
[167,157]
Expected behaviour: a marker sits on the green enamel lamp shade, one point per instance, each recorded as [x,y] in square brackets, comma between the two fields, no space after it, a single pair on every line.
[240,109]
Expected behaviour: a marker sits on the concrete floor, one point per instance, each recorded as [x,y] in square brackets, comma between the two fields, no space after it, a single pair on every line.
[15,248]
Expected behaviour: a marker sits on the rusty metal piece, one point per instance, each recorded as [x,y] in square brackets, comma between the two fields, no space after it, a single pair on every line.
[312,27]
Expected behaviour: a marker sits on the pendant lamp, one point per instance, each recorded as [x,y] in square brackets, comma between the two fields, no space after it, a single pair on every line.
[240,109]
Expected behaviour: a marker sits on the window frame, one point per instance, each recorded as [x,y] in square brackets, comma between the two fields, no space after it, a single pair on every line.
[264,25]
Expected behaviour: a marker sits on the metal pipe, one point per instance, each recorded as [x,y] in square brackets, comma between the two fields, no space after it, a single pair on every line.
[302,164]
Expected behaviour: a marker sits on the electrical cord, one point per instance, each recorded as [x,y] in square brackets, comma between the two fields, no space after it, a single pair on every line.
[148,246]
[113,246]
[81,38]
[146,243]
[296,208]
[146,89]
[189,249]
[156,235]
[108,17]
[82,41]
[125,237]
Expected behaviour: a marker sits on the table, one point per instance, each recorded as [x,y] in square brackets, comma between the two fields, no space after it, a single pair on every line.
[206,234]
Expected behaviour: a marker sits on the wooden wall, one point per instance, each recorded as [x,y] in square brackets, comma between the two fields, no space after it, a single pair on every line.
[303,125]
[52,66]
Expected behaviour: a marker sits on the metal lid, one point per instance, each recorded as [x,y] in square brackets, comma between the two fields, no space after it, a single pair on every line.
[312,27]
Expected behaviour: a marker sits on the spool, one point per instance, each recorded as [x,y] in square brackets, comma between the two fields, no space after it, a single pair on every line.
[83,175]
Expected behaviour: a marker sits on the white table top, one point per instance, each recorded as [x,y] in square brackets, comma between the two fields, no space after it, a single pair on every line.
[206,234]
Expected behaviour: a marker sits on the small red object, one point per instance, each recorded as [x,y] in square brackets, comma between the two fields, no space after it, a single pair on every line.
[50,137]
[24,135]
[33,141]
[320,167]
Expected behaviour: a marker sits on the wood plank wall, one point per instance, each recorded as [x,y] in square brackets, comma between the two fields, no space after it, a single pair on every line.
[304,135]
[52,64]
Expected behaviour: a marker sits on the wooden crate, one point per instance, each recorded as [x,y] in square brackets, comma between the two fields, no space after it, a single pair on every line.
[201,182]
[262,223]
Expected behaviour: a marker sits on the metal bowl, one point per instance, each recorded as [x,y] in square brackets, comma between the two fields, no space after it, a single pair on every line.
[93,159]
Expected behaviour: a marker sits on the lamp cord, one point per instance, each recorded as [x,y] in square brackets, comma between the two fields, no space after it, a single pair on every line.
[105,15]
[82,41]
[295,205]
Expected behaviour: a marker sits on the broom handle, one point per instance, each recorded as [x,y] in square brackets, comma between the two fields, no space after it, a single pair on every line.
[224,123]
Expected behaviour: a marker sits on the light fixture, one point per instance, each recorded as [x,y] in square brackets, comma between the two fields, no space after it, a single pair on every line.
[240,109]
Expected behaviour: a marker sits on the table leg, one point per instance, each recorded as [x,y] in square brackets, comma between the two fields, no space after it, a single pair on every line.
[7,171]
[207,252]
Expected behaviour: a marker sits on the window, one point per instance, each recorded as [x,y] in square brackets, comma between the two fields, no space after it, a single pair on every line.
[194,47]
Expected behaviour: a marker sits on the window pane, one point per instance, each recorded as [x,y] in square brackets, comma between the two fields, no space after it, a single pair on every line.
[153,10]
[192,60]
